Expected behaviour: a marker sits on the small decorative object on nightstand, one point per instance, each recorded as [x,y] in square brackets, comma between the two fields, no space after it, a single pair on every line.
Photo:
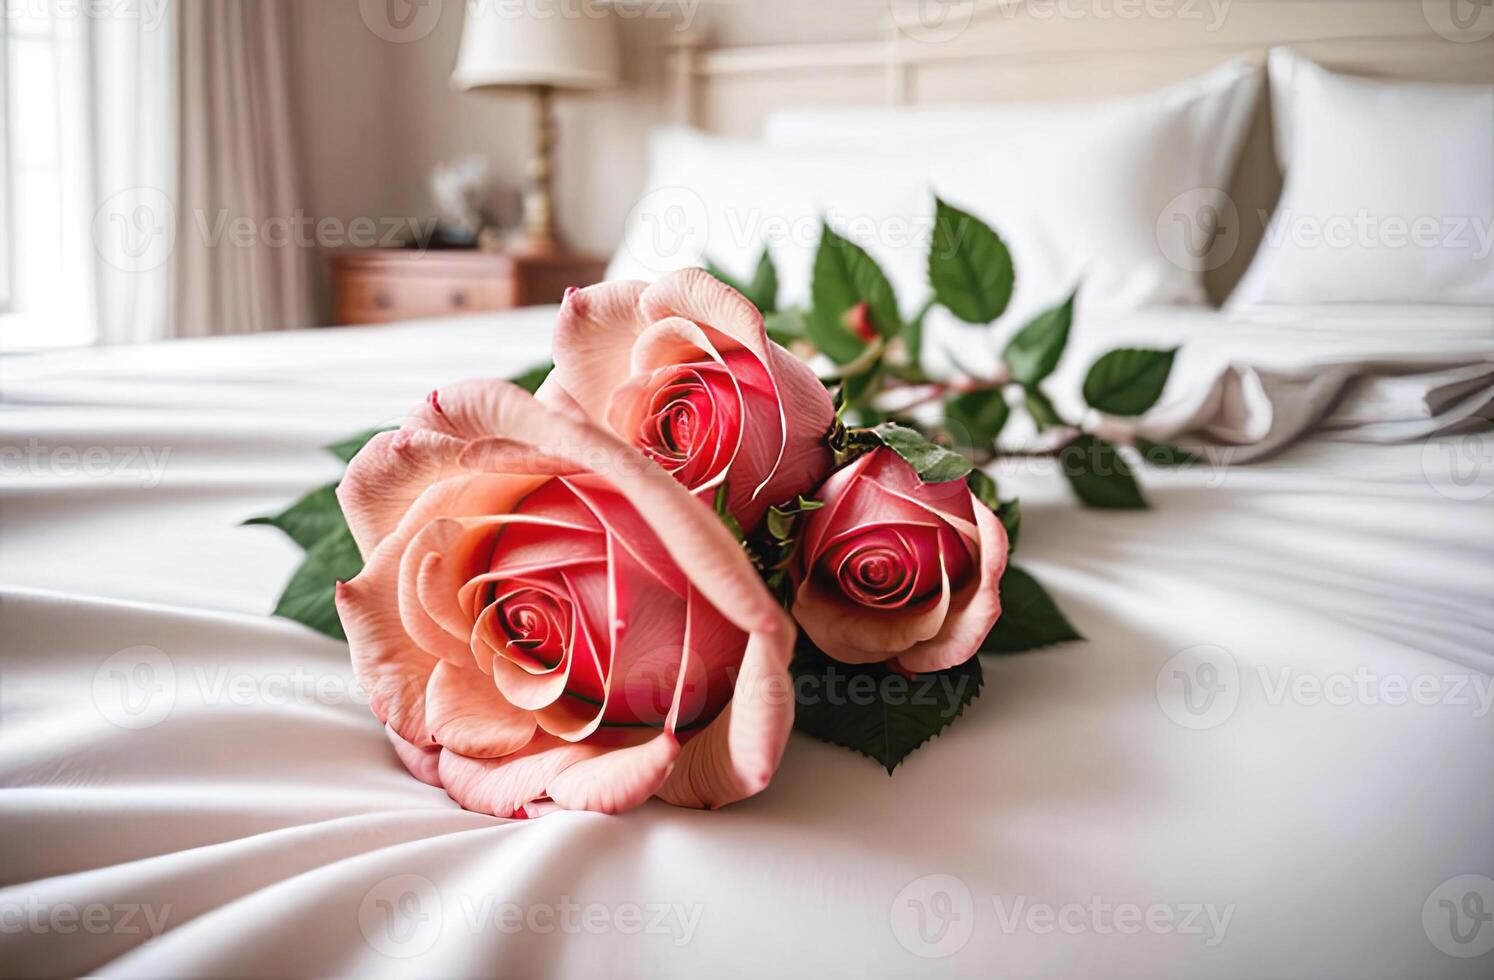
[385,284]
[513,47]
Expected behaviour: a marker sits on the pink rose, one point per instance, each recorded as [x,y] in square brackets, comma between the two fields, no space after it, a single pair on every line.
[683,369]
[892,568]
[545,618]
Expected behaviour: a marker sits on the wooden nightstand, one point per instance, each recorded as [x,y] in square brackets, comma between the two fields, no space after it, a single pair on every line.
[384,284]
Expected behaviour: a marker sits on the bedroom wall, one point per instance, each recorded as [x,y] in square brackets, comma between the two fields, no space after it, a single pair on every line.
[378,113]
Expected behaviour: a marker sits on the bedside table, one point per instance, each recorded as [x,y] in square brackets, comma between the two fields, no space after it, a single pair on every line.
[381,285]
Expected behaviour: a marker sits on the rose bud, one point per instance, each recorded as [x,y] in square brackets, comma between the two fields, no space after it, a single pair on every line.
[858,321]
[895,569]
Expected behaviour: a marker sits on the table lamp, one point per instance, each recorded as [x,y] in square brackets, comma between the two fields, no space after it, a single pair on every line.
[521,46]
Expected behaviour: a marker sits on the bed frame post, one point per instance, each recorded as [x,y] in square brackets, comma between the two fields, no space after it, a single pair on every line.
[684,55]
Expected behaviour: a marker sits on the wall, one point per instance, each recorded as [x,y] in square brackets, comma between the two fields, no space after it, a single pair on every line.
[377,111]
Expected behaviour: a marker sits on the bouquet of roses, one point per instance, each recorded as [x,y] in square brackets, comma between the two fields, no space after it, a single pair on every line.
[633,573]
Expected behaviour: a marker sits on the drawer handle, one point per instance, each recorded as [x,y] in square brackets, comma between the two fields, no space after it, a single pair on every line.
[459,299]
[383,301]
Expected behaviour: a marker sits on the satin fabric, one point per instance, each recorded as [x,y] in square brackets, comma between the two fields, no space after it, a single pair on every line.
[166,747]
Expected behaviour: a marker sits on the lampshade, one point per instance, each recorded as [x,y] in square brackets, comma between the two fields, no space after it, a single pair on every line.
[520,44]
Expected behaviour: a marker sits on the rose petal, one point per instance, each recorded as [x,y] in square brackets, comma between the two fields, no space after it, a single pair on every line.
[593,343]
[697,295]
[970,617]
[736,755]
[466,714]
[503,786]
[694,538]
[386,477]
[420,761]
[950,500]
[809,414]
[855,634]
[424,561]
[390,667]
[834,493]
[619,780]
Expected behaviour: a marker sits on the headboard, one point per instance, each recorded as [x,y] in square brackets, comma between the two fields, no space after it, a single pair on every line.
[1032,50]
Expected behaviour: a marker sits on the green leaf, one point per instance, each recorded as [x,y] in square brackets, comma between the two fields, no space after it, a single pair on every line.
[1128,381]
[845,275]
[1099,475]
[310,596]
[309,519]
[786,326]
[1009,512]
[1162,454]
[875,711]
[782,517]
[346,449]
[719,503]
[1033,353]
[719,273]
[983,485]
[969,266]
[858,388]
[932,462]
[913,336]
[975,418]
[531,379]
[1029,618]
[762,291]
[1044,415]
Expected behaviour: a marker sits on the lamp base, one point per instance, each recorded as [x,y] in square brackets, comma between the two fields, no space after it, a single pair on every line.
[537,235]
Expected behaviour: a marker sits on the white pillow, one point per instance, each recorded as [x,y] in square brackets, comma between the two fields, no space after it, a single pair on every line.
[1078,190]
[720,199]
[1084,190]
[1389,192]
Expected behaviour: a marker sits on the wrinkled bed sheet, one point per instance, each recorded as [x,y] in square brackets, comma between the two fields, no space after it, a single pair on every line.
[1273,755]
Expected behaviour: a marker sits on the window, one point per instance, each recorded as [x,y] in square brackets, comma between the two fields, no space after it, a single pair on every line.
[46,287]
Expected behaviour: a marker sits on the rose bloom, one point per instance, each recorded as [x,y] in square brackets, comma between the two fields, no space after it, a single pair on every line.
[545,618]
[683,369]
[895,569]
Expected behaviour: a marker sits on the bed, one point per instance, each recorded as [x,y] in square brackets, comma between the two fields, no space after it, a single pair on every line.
[208,777]
[1271,756]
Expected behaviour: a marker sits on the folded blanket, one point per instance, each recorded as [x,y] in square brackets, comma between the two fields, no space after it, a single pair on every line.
[1245,385]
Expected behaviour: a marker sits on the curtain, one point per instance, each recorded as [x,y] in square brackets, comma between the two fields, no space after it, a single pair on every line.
[240,264]
[130,109]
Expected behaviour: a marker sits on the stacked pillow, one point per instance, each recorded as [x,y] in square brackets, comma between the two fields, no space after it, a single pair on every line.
[1076,189]
[1388,194]
[1388,197]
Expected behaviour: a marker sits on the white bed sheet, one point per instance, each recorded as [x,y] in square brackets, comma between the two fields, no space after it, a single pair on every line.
[262,826]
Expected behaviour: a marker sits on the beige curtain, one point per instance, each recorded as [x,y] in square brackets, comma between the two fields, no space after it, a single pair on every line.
[242,263]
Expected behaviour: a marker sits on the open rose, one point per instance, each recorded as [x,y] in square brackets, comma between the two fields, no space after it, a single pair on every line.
[530,582]
[683,369]
[892,568]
